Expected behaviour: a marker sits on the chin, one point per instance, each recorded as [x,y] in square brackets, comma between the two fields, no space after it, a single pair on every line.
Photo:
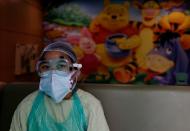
[68,96]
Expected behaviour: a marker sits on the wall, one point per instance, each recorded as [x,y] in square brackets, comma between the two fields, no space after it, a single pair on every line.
[20,23]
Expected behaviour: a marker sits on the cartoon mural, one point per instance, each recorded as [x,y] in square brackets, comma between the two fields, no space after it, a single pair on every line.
[140,41]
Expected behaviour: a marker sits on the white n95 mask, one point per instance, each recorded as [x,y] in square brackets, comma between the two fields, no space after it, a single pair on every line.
[56,84]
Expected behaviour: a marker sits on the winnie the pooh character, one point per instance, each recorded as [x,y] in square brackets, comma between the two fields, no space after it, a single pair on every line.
[112,20]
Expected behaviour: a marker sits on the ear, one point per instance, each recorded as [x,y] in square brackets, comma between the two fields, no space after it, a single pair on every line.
[106,3]
[185,24]
[126,4]
[181,59]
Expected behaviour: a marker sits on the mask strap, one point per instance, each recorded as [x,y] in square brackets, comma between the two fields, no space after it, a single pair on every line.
[74,89]
[78,66]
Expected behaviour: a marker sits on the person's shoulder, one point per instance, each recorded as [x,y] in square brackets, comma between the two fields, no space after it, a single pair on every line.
[90,103]
[87,98]
[28,100]
[84,94]
[22,112]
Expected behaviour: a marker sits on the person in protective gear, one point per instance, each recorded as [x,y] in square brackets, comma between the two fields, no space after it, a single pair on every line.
[59,105]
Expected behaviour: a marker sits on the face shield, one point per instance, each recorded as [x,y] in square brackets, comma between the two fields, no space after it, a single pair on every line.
[59,64]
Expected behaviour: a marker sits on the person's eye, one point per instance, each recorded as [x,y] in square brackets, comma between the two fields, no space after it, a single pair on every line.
[44,67]
[61,66]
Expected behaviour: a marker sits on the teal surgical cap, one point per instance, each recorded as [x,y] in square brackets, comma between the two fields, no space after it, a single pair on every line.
[60,46]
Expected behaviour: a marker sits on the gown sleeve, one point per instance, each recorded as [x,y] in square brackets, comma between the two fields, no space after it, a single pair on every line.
[20,117]
[19,120]
[97,120]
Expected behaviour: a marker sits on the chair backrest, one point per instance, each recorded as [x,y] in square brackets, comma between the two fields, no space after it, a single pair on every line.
[144,108]
[11,97]
[127,107]
[2,85]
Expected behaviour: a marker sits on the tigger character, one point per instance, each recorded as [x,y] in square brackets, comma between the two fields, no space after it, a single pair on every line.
[112,20]
[150,10]
[127,73]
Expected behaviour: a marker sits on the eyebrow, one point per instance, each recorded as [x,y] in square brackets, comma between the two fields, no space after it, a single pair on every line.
[66,58]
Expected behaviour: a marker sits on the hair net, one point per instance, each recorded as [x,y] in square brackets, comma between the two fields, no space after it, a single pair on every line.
[61,46]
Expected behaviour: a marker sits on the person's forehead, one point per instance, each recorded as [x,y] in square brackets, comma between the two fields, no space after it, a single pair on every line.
[56,54]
